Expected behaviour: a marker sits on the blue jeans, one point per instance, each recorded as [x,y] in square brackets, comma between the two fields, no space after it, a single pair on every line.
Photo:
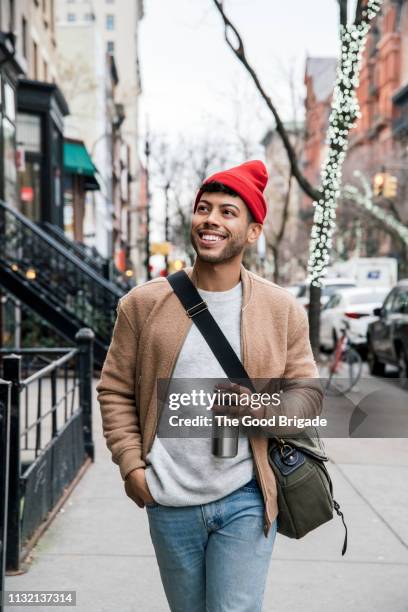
[213,557]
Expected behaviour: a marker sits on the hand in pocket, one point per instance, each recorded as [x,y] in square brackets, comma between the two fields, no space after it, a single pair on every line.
[137,489]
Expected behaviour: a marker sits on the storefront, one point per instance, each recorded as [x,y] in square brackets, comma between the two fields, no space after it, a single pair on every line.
[41,109]
[79,178]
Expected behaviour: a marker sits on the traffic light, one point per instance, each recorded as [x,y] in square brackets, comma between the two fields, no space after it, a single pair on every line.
[385,185]
[390,186]
[378,183]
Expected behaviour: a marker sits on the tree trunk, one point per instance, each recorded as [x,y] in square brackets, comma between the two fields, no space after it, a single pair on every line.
[314,318]
[275,252]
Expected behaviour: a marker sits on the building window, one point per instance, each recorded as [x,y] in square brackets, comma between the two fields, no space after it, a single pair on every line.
[110,46]
[29,132]
[9,107]
[45,71]
[24,36]
[110,1]
[9,160]
[52,15]
[7,131]
[110,22]
[12,15]
[35,60]
[29,174]
[71,17]
[89,17]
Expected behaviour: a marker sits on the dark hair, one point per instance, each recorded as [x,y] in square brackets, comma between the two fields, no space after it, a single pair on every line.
[216,187]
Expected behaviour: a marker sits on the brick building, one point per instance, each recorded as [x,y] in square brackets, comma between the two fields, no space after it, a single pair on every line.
[375,142]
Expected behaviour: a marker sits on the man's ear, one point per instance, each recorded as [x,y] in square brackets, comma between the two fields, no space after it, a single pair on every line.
[254,231]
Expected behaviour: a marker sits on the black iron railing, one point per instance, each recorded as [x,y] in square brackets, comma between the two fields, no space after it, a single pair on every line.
[88,255]
[50,433]
[55,282]
[5,407]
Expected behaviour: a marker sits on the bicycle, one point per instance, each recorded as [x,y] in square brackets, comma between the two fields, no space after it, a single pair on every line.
[345,366]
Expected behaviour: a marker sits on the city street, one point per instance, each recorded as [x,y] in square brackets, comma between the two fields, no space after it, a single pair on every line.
[99,543]
[255,156]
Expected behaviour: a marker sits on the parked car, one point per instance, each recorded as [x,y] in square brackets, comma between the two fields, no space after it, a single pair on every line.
[329,286]
[354,307]
[387,337]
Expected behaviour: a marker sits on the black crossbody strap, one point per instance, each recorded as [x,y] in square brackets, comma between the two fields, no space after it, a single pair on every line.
[197,310]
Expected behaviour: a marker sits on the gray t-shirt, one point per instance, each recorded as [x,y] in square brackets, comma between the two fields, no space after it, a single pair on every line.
[183,471]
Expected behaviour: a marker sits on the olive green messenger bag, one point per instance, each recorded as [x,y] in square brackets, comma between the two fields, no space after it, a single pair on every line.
[305,489]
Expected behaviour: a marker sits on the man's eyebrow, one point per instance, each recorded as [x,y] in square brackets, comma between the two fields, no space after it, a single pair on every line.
[223,204]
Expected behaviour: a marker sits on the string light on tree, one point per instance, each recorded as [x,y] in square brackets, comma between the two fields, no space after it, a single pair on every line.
[344,112]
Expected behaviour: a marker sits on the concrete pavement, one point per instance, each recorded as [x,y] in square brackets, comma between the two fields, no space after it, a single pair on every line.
[99,544]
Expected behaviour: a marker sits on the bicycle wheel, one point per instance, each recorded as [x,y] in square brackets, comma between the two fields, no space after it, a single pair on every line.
[346,374]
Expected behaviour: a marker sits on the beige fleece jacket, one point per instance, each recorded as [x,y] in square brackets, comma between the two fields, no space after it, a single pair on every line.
[150,329]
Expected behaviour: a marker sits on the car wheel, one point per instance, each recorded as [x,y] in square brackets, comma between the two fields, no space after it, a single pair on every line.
[402,363]
[377,368]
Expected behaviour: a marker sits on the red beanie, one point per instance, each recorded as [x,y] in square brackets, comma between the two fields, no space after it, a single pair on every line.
[249,181]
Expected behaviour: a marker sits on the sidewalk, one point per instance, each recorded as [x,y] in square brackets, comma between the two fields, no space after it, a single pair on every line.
[99,544]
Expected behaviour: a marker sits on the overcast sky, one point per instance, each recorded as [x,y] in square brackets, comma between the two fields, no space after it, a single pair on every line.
[190,77]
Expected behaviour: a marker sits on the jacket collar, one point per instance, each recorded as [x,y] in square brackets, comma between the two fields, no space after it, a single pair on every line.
[245,279]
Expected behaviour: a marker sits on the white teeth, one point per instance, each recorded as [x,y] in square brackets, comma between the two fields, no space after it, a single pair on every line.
[211,237]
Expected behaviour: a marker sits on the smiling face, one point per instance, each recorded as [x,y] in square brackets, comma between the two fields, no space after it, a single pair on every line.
[220,227]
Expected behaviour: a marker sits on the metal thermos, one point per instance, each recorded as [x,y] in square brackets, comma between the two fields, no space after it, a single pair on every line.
[224,440]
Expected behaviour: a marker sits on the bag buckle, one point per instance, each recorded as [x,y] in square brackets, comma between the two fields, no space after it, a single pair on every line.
[196,309]
[289,455]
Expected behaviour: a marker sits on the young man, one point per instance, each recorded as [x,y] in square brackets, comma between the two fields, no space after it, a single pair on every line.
[212,520]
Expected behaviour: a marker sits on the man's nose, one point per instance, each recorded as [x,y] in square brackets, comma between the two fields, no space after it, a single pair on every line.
[213,217]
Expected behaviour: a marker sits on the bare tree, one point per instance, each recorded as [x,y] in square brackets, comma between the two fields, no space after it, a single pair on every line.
[275,243]
[281,191]
[76,77]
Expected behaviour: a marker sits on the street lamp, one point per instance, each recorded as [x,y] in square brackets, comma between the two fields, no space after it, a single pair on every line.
[147,154]
[31,274]
[166,223]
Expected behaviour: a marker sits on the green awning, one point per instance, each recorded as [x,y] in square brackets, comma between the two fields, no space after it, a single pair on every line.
[77,159]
